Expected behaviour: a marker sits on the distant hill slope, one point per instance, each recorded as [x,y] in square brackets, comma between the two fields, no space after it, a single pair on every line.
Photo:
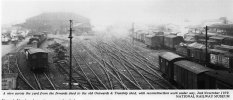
[57,22]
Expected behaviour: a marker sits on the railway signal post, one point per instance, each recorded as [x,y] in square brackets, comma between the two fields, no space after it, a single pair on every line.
[70,36]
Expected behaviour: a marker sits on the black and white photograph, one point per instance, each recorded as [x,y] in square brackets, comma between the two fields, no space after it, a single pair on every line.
[116,44]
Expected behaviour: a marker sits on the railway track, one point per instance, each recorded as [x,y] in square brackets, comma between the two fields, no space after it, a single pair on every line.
[125,73]
[123,57]
[43,81]
[84,74]
[75,79]
[130,83]
[134,52]
[21,75]
[88,66]
[100,77]
[114,65]
[146,60]
[141,59]
[154,71]
[128,66]
[107,75]
[26,80]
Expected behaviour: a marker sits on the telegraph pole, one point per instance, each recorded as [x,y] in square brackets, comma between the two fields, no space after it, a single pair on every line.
[133,32]
[70,36]
[206,43]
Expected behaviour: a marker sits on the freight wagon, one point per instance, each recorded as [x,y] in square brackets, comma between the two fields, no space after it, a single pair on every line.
[197,52]
[219,80]
[170,41]
[201,36]
[141,37]
[189,39]
[183,50]
[189,75]
[154,41]
[224,48]
[221,59]
[166,61]
[228,40]
[36,58]
[210,43]
[218,39]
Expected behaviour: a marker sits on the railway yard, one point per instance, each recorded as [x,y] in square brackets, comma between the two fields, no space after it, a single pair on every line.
[39,57]
[42,61]
[97,63]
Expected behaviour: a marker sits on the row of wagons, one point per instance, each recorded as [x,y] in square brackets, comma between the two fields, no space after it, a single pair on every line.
[37,39]
[189,75]
[218,39]
[162,41]
[220,57]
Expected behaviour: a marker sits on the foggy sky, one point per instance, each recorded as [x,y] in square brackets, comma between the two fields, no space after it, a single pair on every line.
[106,12]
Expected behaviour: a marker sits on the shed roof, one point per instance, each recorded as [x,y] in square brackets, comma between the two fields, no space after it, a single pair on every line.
[36,50]
[209,41]
[170,56]
[192,67]
[196,45]
[150,35]
[217,37]
[170,36]
[217,51]
[153,35]
[159,33]
[39,33]
[189,38]
[225,36]
[222,26]
[191,34]
[227,46]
